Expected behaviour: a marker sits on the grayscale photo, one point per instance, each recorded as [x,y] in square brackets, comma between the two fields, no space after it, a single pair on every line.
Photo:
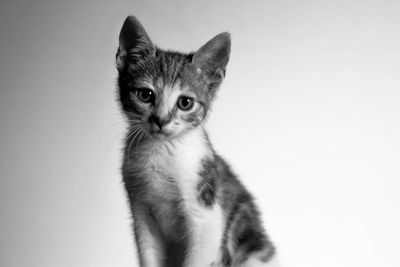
[199,133]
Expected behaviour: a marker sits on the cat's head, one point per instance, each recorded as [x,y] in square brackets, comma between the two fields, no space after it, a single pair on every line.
[165,94]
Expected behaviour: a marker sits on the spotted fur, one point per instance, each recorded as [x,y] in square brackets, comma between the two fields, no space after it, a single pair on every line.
[189,208]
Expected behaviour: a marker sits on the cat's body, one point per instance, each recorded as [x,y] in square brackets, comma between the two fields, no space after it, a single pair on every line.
[188,207]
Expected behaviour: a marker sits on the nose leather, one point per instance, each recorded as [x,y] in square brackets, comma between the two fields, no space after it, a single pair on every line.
[157,122]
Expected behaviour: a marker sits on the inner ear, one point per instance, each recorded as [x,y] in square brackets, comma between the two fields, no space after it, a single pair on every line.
[134,43]
[214,55]
[218,75]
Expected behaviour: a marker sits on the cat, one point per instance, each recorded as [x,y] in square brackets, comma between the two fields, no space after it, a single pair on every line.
[188,207]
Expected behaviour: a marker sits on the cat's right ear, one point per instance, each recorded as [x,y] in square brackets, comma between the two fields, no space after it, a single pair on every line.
[134,43]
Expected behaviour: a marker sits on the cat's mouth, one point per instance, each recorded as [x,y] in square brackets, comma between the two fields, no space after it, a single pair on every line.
[160,134]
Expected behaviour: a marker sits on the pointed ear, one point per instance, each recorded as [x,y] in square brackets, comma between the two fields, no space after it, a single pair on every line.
[213,57]
[134,43]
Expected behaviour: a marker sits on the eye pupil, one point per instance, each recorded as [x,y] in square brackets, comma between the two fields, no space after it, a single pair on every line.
[145,95]
[185,103]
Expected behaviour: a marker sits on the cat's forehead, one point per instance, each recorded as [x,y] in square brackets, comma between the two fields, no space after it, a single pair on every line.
[159,84]
[169,67]
[168,71]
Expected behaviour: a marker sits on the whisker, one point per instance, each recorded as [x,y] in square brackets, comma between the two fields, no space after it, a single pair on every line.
[134,134]
[141,136]
[132,131]
[135,115]
[110,126]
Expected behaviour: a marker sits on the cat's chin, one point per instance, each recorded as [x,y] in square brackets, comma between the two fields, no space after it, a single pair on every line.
[160,135]
[163,135]
[166,136]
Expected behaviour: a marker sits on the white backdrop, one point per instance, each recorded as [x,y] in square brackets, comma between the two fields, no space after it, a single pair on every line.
[308,116]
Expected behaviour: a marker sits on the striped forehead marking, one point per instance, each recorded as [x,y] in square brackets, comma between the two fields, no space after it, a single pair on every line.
[146,84]
[160,83]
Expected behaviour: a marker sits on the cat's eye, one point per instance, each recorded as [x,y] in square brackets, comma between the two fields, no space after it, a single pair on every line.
[145,95]
[185,103]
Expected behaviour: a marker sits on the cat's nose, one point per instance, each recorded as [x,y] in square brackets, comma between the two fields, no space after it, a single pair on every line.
[157,122]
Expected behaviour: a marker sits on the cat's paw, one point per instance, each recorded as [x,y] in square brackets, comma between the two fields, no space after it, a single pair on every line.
[255,261]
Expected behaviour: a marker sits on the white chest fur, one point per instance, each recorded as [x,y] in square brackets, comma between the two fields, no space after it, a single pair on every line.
[177,163]
[172,171]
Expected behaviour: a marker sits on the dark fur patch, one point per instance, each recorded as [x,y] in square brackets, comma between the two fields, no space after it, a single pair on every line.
[226,257]
[207,186]
[175,253]
[243,223]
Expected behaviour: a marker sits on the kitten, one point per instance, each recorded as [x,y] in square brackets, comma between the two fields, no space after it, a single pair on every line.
[188,207]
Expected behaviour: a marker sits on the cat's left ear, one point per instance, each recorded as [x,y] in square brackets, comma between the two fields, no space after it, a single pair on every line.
[213,57]
[134,43]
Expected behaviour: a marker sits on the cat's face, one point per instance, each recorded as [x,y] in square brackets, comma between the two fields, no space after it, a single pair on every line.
[164,106]
[166,94]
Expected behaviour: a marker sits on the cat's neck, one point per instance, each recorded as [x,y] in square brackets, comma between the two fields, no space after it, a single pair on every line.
[194,143]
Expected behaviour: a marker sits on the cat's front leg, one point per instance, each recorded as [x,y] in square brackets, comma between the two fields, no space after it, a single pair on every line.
[148,241]
[206,232]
